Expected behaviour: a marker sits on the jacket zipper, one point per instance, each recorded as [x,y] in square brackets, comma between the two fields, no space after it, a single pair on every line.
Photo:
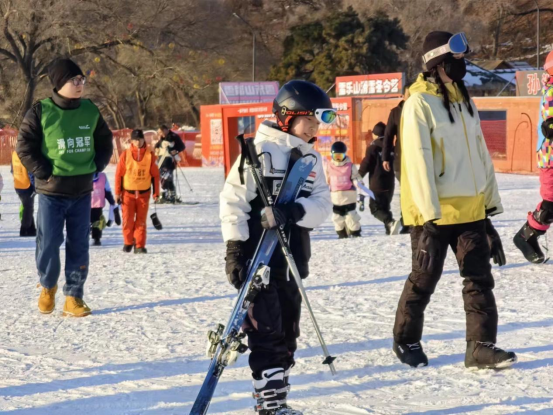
[443,157]
[468,148]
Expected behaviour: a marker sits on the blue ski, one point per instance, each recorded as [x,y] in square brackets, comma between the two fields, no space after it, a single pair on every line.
[226,341]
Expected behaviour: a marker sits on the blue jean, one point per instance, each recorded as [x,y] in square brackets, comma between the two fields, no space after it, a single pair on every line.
[53,213]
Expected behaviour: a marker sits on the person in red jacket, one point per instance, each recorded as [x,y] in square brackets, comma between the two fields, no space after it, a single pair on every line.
[136,173]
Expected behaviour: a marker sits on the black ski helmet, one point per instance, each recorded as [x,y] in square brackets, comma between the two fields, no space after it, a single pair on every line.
[338,147]
[297,98]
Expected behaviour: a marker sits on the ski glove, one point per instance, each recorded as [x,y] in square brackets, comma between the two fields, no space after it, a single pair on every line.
[288,214]
[236,266]
[429,248]
[117,215]
[496,247]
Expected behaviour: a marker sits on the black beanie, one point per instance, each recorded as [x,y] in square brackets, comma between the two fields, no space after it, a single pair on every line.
[432,41]
[61,71]
[379,129]
[137,134]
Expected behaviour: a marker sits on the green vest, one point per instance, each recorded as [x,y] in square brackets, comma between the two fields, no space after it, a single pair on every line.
[69,137]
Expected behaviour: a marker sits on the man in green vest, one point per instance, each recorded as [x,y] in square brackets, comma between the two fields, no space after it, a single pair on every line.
[63,140]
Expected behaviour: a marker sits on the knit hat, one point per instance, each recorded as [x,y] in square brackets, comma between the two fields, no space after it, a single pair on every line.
[137,134]
[432,41]
[379,129]
[61,71]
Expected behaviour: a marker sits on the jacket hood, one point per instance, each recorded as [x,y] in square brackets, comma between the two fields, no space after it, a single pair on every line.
[269,131]
[426,87]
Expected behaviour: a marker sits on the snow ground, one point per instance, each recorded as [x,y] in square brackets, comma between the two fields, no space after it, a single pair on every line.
[142,351]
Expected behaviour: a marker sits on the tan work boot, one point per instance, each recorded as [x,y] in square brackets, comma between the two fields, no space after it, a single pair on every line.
[75,307]
[47,300]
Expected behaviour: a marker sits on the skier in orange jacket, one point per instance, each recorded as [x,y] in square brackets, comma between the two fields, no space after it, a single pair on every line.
[136,173]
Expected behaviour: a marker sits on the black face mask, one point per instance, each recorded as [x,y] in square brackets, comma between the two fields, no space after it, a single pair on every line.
[456,69]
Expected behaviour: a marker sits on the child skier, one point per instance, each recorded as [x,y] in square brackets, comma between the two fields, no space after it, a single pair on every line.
[135,174]
[381,181]
[24,185]
[539,221]
[100,193]
[272,325]
[340,174]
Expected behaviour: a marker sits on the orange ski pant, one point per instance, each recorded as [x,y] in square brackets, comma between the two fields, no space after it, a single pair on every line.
[135,214]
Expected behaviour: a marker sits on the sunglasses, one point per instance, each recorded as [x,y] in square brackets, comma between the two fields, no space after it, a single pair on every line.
[78,81]
[457,44]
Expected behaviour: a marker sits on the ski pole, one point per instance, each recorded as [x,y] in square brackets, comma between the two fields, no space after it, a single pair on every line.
[254,162]
[185,179]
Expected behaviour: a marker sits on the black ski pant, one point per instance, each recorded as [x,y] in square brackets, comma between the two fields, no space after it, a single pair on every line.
[167,181]
[26,196]
[95,214]
[469,243]
[272,325]
[380,206]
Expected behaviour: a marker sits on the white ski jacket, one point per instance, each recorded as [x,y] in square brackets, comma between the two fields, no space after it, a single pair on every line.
[274,147]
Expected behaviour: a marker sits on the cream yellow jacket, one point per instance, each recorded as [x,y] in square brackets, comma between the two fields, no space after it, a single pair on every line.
[447,172]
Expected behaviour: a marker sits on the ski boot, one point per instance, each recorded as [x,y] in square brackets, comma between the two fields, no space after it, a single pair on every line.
[355,234]
[96,242]
[140,250]
[392,226]
[127,248]
[271,390]
[410,354]
[342,234]
[485,355]
[526,240]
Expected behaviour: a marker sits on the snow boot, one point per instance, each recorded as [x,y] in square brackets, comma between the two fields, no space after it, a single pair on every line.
[97,242]
[127,248]
[343,234]
[485,355]
[410,354]
[355,234]
[47,300]
[271,390]
[526,240]
[75,307]
[140,250]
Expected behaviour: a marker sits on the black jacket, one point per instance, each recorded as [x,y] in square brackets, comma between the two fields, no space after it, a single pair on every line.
[389,152]
[29,150]
[379,179]
[178,145]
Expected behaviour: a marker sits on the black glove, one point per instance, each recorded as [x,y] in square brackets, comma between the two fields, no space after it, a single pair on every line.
[274,217]
[117,216]
[496,247]
[547,128]
[109,223]
[429,249]
[236,267]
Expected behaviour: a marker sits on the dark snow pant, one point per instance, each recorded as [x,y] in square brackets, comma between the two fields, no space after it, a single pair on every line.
[167,179]
[95,215]
[469,242]
[380,206]
[53,213]
[272,325]
[27,199]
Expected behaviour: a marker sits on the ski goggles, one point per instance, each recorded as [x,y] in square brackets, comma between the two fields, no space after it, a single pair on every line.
[338,156]
[457,44]
[324,115]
